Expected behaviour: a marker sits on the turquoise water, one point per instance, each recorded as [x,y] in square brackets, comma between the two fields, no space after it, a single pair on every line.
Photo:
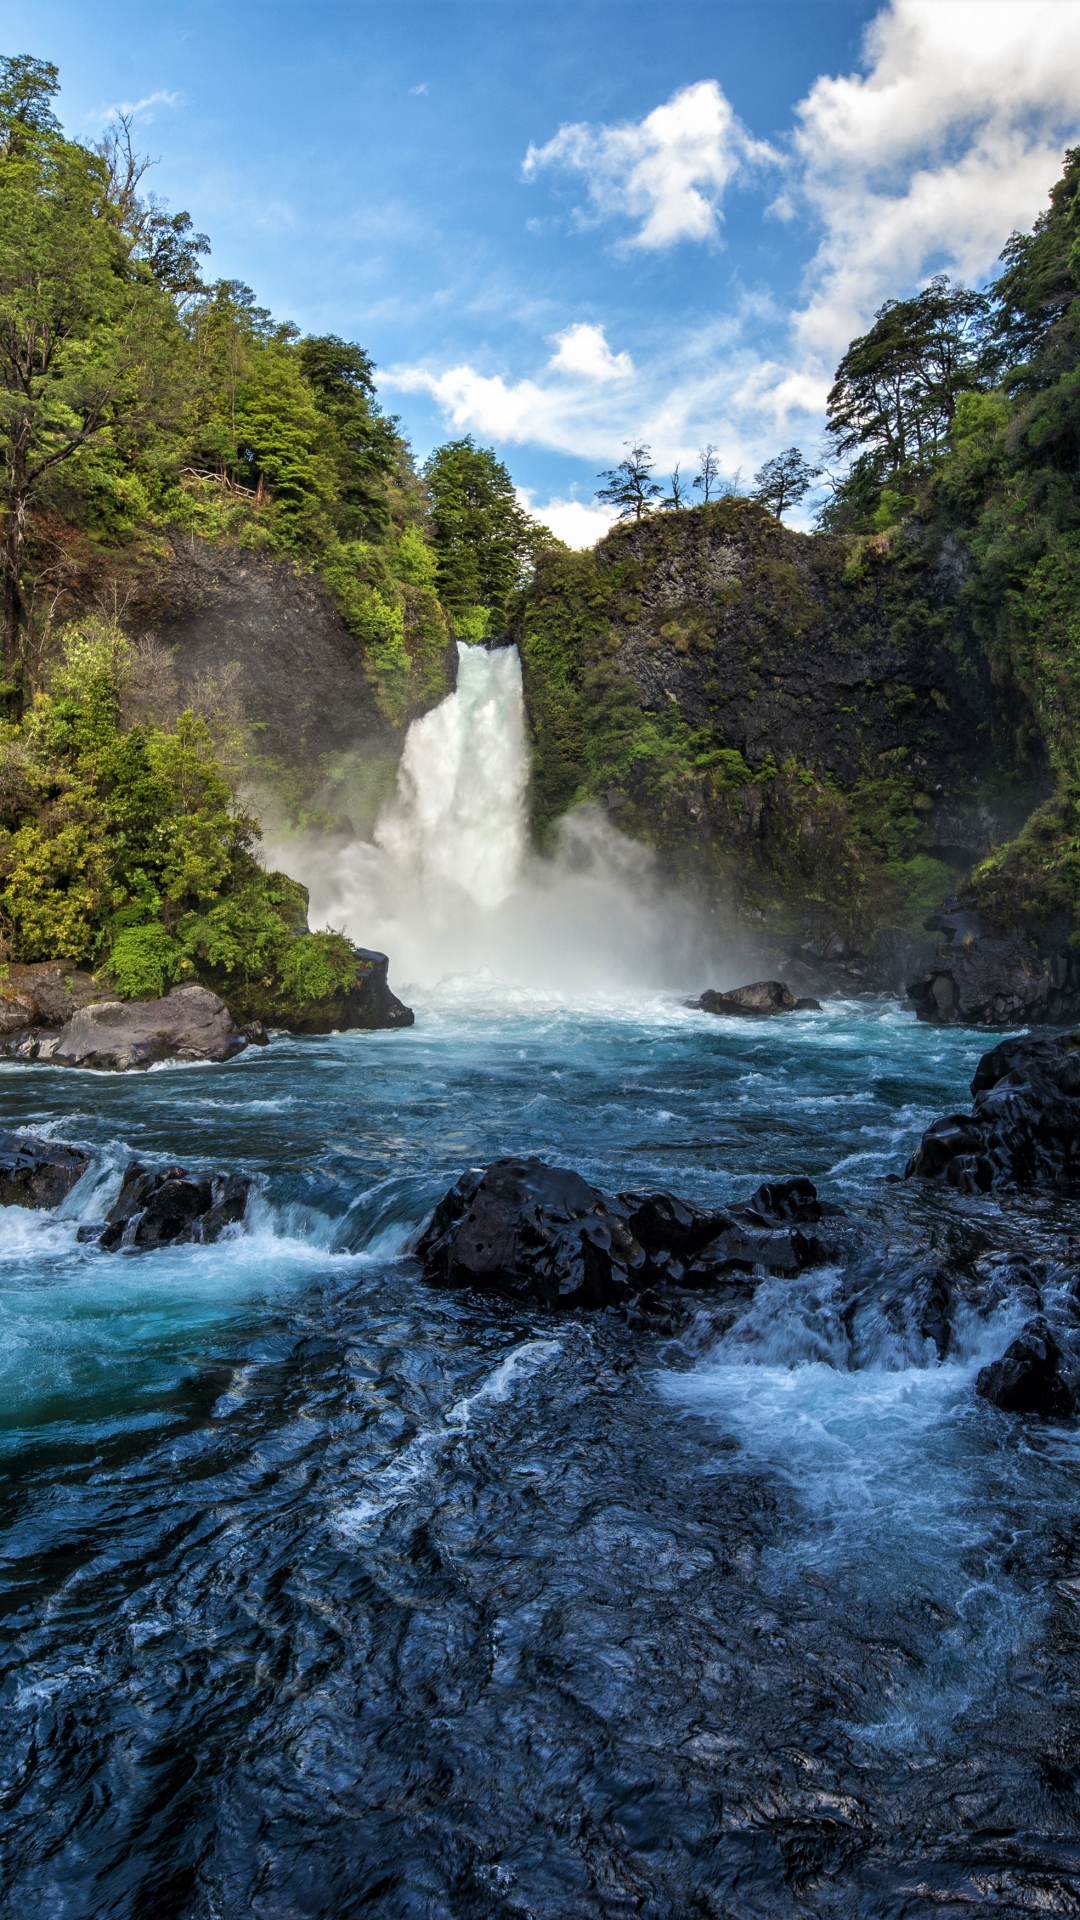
[326,1593]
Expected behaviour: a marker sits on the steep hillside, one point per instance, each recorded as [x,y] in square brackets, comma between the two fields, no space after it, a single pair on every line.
[810,720]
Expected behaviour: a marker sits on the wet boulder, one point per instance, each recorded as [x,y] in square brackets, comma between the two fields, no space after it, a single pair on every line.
[533,1232]
[123,1036]
[543,1234]
[38,1173]
[762,997]
[168,1207]
[1036,1374]
[1024,1126]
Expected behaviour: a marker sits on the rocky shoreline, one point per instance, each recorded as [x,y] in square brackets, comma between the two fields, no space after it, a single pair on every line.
[58,1015]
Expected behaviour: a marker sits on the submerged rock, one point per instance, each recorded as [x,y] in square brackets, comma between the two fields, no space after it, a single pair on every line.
[983,976]
[541,1233]
[167,1207]
[763,996]
[122,1036]
[1024,1126]
[38,1173]
[1034,1375]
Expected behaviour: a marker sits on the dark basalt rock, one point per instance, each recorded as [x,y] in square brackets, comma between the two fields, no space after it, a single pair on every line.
[1034,1375]
[540,1233]
[763,996]
[985,977]
[166,1207]
[1024,1126]
[38,1173]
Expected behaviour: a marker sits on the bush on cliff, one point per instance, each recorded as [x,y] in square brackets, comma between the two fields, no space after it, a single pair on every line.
[122,848]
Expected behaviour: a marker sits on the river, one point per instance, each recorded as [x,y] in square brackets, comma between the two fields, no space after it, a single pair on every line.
[327,1593]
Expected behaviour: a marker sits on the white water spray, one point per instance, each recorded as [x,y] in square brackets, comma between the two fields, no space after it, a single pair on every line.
[449,886]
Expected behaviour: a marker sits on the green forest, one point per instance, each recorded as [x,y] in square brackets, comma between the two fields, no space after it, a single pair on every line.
[138,398]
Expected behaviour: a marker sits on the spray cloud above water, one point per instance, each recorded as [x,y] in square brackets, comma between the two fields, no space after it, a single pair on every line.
[450,885]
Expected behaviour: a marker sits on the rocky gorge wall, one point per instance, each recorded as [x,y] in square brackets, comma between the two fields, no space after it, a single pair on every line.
[808,724]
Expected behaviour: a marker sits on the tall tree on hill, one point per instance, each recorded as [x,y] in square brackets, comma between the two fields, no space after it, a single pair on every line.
[897,386]
[630,486]
[707,480]
[84,326]
[364,443]
[783,481]
[483,540]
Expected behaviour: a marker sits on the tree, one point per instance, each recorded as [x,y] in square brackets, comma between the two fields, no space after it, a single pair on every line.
[675,501]
[897,386]
[365,445]
[483,540]
[1035,318]
[82,327]
[782,482]
[630,486]
[710,472]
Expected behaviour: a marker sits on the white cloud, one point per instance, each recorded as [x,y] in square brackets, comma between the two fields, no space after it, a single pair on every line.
[571,520]
[584,350]
[137,109]
[667,172]
[928,159]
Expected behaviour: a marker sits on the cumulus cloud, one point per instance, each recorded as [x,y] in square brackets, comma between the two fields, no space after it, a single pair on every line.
[571,520]
[584,349]
[927,159]
[667,172]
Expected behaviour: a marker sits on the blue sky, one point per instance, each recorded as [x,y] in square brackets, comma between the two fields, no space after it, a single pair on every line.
[565,226]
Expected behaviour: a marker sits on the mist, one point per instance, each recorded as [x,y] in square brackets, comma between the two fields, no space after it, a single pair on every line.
[449,885]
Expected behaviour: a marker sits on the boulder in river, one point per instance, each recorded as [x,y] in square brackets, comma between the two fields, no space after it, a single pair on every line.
[165,1207]
[986,976]
[763,996]
[534,1232]
[120,1036]
[1036,1374]
[1024,1126]
[38,1173]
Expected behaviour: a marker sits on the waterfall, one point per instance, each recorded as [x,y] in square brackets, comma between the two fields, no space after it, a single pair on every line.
[457,820]
[450,889]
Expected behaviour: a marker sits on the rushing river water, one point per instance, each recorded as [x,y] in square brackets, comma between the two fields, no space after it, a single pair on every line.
[329,1594]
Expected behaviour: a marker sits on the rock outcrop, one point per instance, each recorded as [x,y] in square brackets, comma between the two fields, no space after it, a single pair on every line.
[985,977]
[370,1004]
[170,1207]
[120,1036]
[1023,1128]
[542,1234]
[1036,1374]
[38,1173]
[762,997]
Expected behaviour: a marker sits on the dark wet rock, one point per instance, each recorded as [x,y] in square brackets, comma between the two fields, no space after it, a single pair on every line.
[983,976]
[161,1208]
[38,1173]
[763,996]
[369,1004]
[1036,1374]
[540,1233]
[1024,1127]
[123,1036]
[255,1033]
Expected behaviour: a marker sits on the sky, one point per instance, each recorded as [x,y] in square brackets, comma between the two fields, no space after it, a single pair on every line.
[566,228]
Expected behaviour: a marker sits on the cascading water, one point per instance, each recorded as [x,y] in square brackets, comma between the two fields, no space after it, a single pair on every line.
[451,889]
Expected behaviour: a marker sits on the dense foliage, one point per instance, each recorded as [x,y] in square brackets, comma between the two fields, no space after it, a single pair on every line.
[122,849]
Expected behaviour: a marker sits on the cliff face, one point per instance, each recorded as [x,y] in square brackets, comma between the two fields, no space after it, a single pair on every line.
[258,644]
[811,720]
